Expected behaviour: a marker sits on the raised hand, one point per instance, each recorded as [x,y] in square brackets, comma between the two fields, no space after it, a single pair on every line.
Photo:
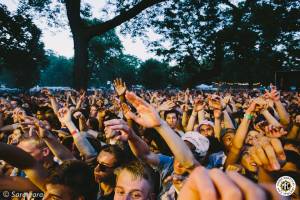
[274,131]
[46,92]
[64,115]
[127,111]
[215,184]
[198,104]
[147,115]
[120,86]
[184,107]
[251,108]
[215,103]
[273,93]
[227,99]
[167,105]
[261,104]
[217,113]
[186,96]
[82,97]
[78,115]
[118,125]
[268,153]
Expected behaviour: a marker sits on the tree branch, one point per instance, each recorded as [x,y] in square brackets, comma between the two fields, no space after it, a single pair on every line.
[73,13]
[123,17]
[227,2]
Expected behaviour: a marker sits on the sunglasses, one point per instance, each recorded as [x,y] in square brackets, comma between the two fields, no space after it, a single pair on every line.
[104,168]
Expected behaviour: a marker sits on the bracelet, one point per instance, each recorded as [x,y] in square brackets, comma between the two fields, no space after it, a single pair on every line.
[75,132]
[248,116]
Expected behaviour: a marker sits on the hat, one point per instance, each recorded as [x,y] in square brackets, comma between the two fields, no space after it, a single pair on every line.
[206,122]
[199,141]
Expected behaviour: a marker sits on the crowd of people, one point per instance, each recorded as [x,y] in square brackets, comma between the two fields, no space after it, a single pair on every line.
[165,144]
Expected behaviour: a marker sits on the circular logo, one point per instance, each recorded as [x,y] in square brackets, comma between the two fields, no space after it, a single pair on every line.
[285,186]
[5,194]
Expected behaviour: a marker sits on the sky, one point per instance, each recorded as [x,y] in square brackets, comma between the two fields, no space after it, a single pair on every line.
[60,41]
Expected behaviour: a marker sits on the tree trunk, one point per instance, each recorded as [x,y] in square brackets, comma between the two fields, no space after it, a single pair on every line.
[80,73]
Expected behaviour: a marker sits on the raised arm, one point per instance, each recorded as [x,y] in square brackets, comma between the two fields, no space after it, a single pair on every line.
[184,120]
[22,160]
[227,120]
[139,148]
[295,129]
[120,88]
[80,101]
[198,107]
[283,114]
[270,118]
[217,124]
[9,127]
[240,136]
[81,142]
[58,150]
[149,118]
[16,183]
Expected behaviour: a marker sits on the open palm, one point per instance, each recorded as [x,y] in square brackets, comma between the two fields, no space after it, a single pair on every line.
[147,115]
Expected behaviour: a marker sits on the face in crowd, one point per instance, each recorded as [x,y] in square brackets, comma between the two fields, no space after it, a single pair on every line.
[172,120]
[93,111]
[248,163]
[206,130]
[73,180]
[253,137]
[36,148]
[227,140]
[135,182]
[104,171]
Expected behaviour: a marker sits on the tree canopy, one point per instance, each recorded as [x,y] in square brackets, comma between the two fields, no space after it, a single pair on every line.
[204,40]
[21,51]
[79,17]
[247,41]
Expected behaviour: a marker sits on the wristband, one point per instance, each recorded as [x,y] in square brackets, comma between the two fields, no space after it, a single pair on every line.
[75,132]
[248,116]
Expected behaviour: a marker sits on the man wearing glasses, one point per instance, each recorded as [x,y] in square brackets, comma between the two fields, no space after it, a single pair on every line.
[109,158]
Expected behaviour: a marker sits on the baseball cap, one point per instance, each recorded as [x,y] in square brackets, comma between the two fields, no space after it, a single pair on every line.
[200,142]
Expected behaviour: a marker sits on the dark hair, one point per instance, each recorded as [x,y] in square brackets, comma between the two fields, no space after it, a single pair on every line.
[94,105]
[94,124]
[171,111]
[214,145]
[110,115]
[77,176]
[152,135]
[293,157]
[290,141]
[117,152]
[139,169]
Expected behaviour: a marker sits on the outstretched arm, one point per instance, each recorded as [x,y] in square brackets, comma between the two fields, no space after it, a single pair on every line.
[240,136]
[283,114]
[22,160]
[149,118]
[139,148]
[81,142]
